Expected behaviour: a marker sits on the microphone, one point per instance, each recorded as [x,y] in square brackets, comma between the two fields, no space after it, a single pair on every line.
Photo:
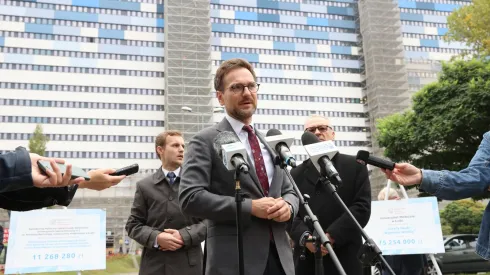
[231,151]
[281,144]
[320,154]
[363,157]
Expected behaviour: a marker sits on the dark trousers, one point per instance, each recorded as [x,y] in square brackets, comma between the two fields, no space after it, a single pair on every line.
[405,264]
[274,266]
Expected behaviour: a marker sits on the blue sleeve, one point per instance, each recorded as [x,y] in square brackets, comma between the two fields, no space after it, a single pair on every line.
[15,170]
[471,181]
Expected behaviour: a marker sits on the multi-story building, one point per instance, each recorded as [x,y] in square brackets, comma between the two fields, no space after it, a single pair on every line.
[306,59]
[104,77]
[402,50]
[92,73]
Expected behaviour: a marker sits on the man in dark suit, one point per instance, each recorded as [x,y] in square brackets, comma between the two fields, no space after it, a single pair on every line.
[207,188]
[355,193]
[23,187]
[171,240]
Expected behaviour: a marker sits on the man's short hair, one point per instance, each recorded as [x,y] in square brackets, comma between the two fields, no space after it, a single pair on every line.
[162,138]
[382,194]
[228,66]
[314,116]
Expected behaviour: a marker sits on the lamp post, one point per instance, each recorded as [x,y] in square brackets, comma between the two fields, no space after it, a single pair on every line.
[201,122]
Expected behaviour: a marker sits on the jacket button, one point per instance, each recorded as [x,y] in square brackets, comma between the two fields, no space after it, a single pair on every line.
[188,228]
[170,198]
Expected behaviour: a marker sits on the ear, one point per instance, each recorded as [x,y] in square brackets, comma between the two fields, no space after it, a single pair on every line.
[160,150]
[219,95]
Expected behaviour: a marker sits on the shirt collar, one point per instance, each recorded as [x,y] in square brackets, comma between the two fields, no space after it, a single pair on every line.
[176,172]
[236,124]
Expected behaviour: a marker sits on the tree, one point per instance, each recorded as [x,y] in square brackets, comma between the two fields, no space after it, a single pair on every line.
[447,121]
[471,25]
[37,143]
[446,228]
[464,216]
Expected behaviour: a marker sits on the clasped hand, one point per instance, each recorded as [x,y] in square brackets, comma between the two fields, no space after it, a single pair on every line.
[170,240]
[272,209]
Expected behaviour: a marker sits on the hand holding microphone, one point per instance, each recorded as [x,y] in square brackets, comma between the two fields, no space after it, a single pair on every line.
[402,173]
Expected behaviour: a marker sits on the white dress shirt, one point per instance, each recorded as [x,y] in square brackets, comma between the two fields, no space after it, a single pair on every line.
[243,136]
[176,172]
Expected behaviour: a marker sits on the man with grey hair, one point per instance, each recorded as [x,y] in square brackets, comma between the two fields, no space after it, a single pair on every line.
[355,192]
[392,194]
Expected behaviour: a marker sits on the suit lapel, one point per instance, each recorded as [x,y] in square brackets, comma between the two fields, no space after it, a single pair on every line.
[311,174]
[223,126]
[158,176]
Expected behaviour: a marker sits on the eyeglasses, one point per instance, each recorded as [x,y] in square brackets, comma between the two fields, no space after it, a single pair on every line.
[240,88]
[321,128]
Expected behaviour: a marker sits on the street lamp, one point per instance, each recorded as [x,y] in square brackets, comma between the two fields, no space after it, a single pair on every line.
[189,109]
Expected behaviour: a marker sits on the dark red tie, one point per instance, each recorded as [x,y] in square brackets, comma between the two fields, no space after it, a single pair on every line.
[258,159]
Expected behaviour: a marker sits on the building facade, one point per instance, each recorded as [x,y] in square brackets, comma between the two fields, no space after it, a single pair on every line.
[92,73]
[104,77]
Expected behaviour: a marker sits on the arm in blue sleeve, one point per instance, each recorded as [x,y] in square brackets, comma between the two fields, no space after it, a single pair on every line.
[471,181]
[15,170]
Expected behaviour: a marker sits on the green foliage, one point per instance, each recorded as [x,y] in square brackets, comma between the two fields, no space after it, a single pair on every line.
[471,25]
[446,228]
[447,120]
[37,143]
[464,216]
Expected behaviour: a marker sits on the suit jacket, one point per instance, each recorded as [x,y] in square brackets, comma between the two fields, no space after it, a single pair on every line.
[156,208]
[355,192]
[17,191]
[207,190]
[15,170]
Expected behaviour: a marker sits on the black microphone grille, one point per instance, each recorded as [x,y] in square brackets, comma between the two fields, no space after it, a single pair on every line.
[362,155]
[273,132]
[309,138]
[225,137]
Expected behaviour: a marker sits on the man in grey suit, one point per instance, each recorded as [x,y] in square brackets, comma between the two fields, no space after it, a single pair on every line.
[207,188]
[171,240]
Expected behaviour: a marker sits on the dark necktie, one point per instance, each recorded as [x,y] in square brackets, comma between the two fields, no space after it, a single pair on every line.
[171,177]
[258,159]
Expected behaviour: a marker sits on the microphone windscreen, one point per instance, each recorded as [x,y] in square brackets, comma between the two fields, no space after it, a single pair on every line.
[273,132]
[225,137]
[309,138]
[362,155]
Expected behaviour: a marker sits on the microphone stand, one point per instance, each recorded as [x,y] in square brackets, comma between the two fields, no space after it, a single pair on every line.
[322,237]
[369,254]
[238,199]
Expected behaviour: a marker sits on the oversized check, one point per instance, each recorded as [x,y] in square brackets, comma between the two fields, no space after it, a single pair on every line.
[409,226]
[51,240]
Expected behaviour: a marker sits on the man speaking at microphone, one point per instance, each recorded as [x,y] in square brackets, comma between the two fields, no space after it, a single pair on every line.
[207,188]
[355,192]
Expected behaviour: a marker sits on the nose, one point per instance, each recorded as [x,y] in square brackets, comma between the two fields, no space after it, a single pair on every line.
[246,90]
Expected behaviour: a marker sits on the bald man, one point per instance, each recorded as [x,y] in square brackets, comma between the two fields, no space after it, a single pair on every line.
[355,193]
